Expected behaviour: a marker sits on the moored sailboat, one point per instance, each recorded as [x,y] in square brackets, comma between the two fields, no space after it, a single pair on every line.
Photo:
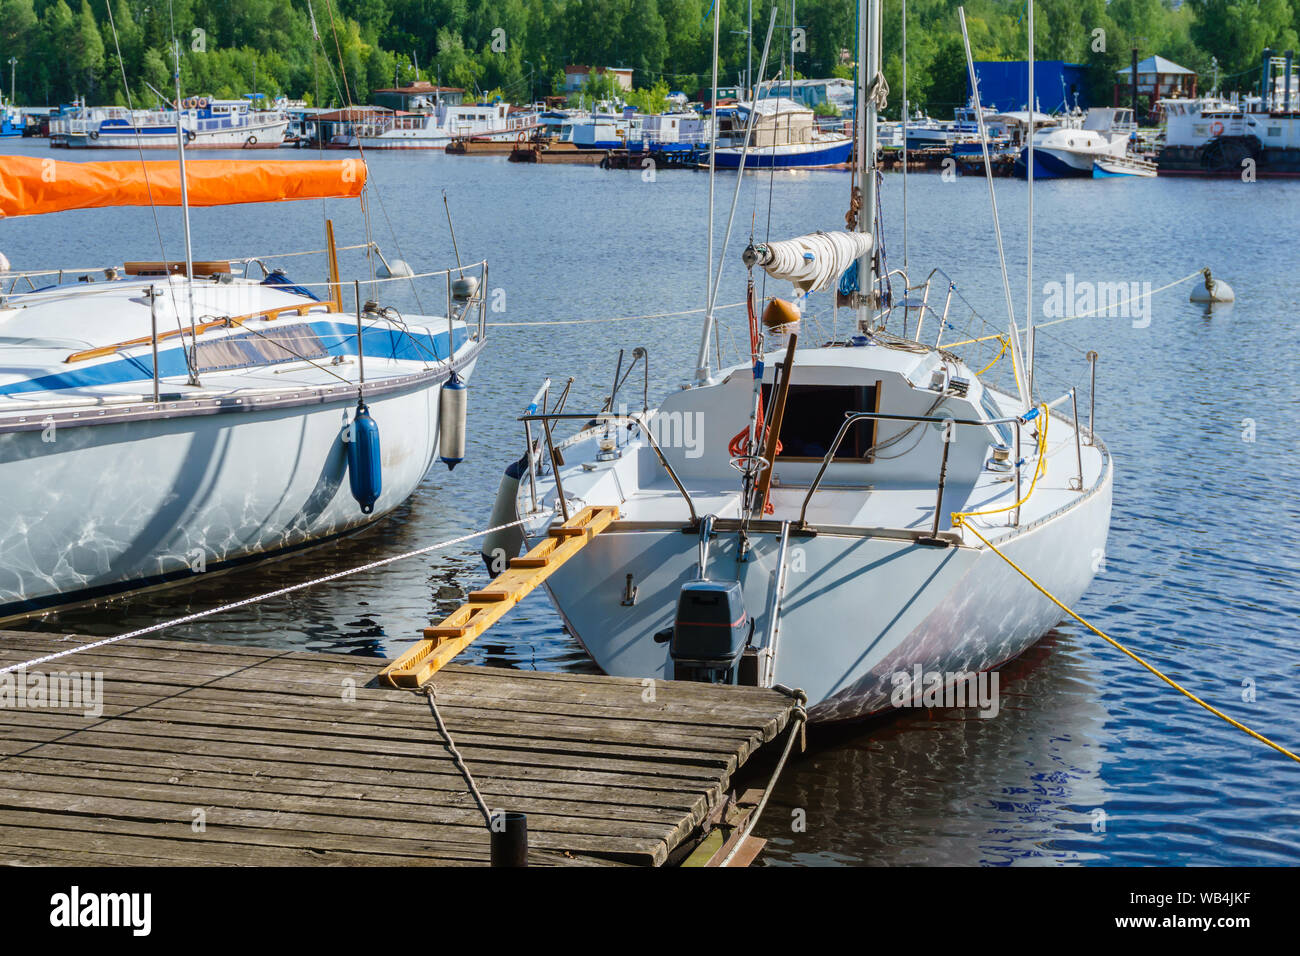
[824,517]
[159,419]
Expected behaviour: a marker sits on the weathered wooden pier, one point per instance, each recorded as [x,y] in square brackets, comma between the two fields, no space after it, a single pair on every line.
[226,755]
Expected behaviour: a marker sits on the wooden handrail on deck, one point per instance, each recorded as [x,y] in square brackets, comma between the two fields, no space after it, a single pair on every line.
[270,315]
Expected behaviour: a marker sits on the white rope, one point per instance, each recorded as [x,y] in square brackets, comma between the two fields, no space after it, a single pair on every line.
[799,717]
[616,318]
[258,598]
[813,263]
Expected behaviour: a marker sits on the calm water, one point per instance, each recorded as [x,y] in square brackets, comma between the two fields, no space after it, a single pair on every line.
[1201,573]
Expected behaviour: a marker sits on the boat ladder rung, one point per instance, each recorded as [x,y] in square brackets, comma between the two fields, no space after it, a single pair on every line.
[485,607]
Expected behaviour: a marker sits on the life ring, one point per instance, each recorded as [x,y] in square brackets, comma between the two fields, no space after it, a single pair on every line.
[202,102]
[251,141]
[1216,128]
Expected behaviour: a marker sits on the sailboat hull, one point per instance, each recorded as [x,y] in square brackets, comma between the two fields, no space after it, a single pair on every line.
[99,509]
[858,609]
[821,154]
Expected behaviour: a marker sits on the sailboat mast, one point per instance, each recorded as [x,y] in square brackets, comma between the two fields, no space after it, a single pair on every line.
[904,111]
[702,364]
[868,69]
[185,209]
[749,53]
[1029,229]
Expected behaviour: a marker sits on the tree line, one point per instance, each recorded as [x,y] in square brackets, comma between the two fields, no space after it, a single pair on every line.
[330,52]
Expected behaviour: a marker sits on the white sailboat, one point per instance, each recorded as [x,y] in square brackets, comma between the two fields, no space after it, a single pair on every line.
[160,419]
[807,518]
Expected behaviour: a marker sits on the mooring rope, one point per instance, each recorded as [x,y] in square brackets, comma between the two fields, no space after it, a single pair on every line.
[431,695]
[1083,315]
[616,318]
[798,717]
[959,521]
[153,628]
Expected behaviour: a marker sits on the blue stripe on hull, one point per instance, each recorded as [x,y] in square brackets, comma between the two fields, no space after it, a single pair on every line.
[339,338]
[810,158]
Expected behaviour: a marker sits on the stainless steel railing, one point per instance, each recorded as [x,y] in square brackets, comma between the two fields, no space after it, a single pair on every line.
[852,418]
[601,418]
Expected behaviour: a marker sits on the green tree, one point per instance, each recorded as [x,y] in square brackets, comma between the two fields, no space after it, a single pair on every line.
[85,50]
[1237,31]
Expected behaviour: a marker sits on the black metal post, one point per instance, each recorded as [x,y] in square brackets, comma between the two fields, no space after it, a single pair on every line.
[1135,85]
[509,838]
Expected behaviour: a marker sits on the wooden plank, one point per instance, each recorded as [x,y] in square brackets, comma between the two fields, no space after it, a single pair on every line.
[484,608]
[291,770]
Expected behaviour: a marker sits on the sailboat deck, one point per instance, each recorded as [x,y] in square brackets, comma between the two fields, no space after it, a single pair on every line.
[844,505]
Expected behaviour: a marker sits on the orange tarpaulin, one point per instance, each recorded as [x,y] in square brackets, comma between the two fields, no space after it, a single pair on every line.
[30,186]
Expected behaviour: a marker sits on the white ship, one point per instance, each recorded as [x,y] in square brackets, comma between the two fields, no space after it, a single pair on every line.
[207,124]
[1214,135]
[424,116]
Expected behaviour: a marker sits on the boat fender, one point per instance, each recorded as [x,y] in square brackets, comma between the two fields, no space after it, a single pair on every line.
[94,134]
[189,135]
[464,289]
[364,472]
[452,405]
[251,141]
[500,546]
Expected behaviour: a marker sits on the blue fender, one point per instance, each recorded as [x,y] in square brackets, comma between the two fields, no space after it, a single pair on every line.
[364,472]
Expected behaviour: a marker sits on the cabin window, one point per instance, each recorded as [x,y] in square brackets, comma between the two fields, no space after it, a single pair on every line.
[814,414]
[288,344]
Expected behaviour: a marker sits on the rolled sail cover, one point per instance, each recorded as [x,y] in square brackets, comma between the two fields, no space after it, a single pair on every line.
[815,262]
[31,185]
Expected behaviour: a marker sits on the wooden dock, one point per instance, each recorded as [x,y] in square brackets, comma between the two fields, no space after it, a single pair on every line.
[216,755]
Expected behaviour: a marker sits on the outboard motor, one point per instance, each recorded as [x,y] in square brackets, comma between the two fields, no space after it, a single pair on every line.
[710,632]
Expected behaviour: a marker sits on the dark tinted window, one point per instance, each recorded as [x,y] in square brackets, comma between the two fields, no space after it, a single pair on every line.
[814,414]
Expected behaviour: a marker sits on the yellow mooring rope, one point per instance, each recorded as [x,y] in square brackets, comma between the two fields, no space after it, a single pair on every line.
[1006,341]
[958,520]
[1040,469]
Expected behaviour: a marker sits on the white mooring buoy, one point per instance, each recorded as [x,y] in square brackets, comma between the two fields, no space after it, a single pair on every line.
[1212,290]
[397,269]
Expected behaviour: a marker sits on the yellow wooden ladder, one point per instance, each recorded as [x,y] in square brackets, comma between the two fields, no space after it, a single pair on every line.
[484,608]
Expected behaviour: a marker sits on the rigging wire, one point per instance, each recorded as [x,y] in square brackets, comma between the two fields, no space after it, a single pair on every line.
[190,361]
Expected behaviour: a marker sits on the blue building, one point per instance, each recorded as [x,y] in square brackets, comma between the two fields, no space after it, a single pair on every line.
[1004,85]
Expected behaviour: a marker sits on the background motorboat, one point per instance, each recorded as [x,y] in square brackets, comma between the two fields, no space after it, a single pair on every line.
[1071,148]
